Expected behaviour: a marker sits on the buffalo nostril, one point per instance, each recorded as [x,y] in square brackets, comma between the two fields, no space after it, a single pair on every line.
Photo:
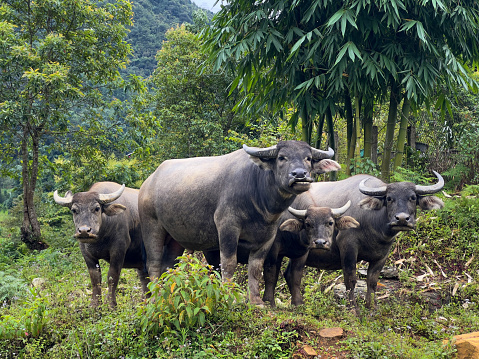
[84,229]
[402,217]
[299,173]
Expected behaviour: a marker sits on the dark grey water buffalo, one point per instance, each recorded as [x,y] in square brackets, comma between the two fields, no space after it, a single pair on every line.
[383,210]
[299,231]
[107,226]
[209,203]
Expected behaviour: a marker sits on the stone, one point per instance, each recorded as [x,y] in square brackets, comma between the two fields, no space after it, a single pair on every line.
[331,332]
[39,283]
[309,350]
[467,345]
[360,289]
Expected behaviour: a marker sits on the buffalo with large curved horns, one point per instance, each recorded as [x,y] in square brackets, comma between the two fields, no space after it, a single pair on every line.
[221,202]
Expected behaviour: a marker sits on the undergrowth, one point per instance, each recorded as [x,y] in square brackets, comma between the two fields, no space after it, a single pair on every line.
[435,298]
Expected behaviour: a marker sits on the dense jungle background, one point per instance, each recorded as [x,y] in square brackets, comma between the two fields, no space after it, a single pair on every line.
[106,90]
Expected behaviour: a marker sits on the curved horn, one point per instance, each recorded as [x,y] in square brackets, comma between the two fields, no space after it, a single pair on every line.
[268,152]
[371,191]
[321,155]
[104,198]
[298,213]
[337,212]
[63,201]
[422,190]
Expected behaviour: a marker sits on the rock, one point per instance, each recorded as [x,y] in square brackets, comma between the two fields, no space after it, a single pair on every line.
[467,345]
[331,333]
[309,351]
[386,273]
[360,289]
[389,273]
[39,283]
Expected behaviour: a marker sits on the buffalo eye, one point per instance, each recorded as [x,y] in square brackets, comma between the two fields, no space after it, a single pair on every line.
[97,208]
[331,223]
[281,158]
[389,199]
[308,159]
[308,224]
[413,198]
[74,211]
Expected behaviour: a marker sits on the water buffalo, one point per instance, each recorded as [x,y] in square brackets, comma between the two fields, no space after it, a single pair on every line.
[209,203]
[107,226]
[299,231]
[383,210]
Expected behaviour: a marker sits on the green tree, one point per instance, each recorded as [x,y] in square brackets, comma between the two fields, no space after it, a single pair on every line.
[57,57]
[193,109]
[309,53]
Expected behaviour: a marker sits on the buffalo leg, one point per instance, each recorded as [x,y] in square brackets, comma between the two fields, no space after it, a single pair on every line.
[154,240]
[171,252]
[144,279]
[95,277]
[348,262]
[272,266]
[294,275]
[255,268]
[116,264]
[374,269]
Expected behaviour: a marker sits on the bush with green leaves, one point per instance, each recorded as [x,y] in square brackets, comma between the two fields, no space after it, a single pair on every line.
[185,297]
[11,287]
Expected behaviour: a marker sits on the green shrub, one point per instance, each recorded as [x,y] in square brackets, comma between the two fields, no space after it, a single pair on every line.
[11,287]
[185,297]
[364,165]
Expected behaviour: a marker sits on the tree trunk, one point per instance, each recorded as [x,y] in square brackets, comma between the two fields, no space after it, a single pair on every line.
[388,142]
[357,123]
[333,176]
[368,128]
[374,145]
[319,132]
[348,109]
[406,107]
[30,230]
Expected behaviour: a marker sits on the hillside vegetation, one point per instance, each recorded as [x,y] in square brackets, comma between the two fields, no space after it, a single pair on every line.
[434,298]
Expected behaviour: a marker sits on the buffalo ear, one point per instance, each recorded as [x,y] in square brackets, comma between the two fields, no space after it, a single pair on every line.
[114,209]
[346,222]
[291,225]
[324,166]
[428,203]
[263,163]
[371,203]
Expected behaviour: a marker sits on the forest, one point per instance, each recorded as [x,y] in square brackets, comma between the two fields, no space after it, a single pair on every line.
[96,91]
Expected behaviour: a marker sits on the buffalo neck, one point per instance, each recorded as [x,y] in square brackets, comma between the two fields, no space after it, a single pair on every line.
[266,193]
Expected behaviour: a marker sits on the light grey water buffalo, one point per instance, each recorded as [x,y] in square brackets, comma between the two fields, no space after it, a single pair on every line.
[383,210]
[107,226]
[299,231]
[209,203]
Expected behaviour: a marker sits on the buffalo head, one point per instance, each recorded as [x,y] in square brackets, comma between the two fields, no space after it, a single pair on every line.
[292,163]
[87,209]
[401,200]
[319,224]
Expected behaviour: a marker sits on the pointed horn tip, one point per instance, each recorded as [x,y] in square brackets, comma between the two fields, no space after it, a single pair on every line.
[379,191]
[297,212]
[430,189]
[341,210]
